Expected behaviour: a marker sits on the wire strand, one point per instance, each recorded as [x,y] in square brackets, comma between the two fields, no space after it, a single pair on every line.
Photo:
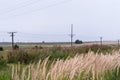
[22,5]
[42,8]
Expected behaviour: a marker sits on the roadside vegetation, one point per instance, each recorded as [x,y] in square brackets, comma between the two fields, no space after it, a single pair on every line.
[91,62]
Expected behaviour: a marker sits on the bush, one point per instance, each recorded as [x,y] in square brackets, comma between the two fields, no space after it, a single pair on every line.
[1,48]
[18,56]
[78,42]
[16,46]
[97,48]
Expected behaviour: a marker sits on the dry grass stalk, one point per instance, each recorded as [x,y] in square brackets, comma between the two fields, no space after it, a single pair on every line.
[70,68]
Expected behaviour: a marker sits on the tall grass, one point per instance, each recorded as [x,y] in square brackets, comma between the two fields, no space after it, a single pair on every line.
[31,55]
[81,67]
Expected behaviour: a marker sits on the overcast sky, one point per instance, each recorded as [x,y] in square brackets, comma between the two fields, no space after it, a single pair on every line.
[50,20]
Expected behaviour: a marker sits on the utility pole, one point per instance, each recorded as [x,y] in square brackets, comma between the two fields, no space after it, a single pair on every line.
[71,35]
[12,35]
[118,43]
[101,41]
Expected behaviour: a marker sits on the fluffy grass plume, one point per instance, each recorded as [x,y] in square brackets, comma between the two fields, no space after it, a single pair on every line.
[81,67]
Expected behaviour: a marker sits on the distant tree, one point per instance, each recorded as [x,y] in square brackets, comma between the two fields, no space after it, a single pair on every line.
[78,41]
[43,41]
[1,48]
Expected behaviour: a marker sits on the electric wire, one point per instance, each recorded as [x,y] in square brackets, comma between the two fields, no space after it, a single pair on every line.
[20,5]
[55,3]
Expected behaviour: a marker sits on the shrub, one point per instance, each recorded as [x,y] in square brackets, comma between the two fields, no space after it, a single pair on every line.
[1,48]
[18,56]
[96,48]
[16,46]
[78,42]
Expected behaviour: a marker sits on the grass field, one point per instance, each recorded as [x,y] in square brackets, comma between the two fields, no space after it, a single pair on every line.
[86,62]
[52,44]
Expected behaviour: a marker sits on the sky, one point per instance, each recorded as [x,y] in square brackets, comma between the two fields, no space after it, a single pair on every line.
[50,20]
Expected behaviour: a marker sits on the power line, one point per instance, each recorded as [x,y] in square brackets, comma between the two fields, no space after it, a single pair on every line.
[38,34]
[52,5]
[42,8]
[22,5]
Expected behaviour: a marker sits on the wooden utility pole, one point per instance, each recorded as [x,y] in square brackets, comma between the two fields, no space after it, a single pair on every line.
[71,35]
[118,43]
[12,35]
[101,41]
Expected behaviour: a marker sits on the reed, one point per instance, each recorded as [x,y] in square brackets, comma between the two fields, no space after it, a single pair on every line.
[89,66]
